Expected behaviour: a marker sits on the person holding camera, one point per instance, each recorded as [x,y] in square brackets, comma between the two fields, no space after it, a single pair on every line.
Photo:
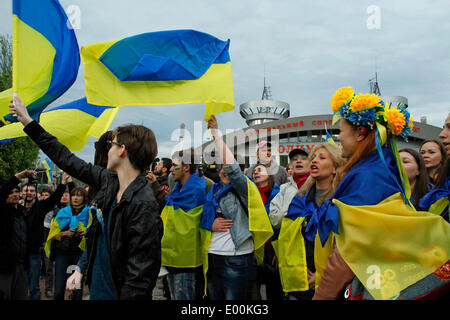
[65,240]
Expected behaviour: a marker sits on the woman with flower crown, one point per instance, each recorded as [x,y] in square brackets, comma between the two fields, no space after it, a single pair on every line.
[383,248]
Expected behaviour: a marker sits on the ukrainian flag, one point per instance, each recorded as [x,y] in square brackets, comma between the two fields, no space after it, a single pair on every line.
[160,68]
[376,230]
[49,167]
[180,244]
[258,219]
[65,218]
[45,56]
[290,245]
[72,123]
[436,200]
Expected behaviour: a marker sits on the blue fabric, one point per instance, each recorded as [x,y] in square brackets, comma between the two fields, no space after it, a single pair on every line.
[190,196]
[275,191]
[65,218]
[435,195]
[212,203]
[366,183]
[165,56]
[102,284]
[49,18]
[83,105]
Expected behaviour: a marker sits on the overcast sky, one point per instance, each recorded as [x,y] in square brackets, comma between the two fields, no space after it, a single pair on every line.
[309,49]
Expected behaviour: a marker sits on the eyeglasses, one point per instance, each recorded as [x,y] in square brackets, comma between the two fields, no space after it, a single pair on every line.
[113,142]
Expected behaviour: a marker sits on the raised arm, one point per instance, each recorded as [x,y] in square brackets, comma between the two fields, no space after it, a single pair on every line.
[224,152]
[57,152]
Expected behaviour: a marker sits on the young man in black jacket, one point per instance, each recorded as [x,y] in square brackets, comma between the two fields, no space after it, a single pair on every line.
[123,253]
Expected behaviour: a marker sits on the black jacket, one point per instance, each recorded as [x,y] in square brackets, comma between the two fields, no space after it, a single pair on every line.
[35,218]
[9,251]
[136,229]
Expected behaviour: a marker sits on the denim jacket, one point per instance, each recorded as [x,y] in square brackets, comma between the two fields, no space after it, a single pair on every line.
[232,208]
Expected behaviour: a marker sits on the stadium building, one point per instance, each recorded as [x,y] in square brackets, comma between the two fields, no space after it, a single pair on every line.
[264,117]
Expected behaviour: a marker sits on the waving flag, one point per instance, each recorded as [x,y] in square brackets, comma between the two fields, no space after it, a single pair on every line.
[160,68]
[72,123]
[49,167]
[329,138]
[45,56]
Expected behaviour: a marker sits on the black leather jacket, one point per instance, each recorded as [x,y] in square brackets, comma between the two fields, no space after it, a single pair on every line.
[136,228]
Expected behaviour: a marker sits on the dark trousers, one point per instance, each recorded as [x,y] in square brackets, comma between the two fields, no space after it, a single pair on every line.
[62,262]
[14,286]
[230,277]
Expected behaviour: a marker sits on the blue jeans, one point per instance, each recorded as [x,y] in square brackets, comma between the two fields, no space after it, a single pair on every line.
[33,276]
[181,285]
[231,277]
[62,262]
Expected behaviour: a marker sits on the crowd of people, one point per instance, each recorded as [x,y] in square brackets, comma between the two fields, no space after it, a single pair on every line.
[138,222]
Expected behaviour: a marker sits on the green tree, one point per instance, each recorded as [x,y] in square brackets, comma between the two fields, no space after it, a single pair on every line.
[21,153]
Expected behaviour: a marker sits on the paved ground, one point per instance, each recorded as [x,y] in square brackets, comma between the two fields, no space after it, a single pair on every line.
[158,293]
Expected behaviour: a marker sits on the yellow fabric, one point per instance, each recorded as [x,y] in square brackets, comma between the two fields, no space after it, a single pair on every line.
[390,246]
[258,220]
[291,254]
[33,57]
[72,127]
[321,255]
[205,236]
[55,229]
[181,245]
[439,206]
[215,87]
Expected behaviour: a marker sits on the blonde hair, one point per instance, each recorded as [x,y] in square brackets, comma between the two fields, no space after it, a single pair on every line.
[338,162]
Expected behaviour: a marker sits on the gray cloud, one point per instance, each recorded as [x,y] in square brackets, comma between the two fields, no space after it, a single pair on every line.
[309,48]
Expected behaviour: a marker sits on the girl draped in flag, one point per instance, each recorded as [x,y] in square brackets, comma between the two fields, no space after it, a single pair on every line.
[234,227]
[295,243]
[66,239]
[385,249]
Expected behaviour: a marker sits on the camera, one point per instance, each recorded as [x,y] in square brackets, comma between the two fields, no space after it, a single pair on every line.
[32,179]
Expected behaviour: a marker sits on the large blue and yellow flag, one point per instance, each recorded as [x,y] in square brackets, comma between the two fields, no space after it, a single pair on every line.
[45,56]
[65,218]
[180,244]
[72,123]
[375,229]
[48,169]
[160,68]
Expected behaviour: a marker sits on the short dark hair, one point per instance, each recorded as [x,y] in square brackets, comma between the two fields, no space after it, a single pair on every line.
[140,143]
[102,148]
[48,190]
[79,191]
[29,185]
[187,157]
[167,163]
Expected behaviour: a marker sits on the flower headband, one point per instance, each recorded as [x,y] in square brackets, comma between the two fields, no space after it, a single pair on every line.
[368,110]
